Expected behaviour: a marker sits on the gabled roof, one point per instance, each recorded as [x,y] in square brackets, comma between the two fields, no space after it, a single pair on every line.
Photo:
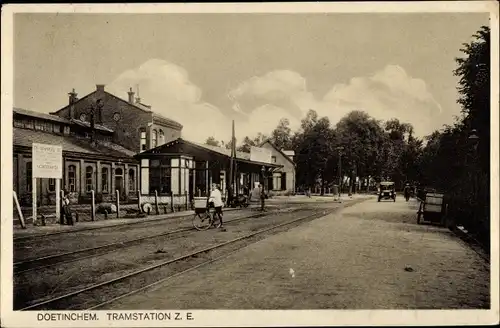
[139,106]
[45,116]
[26,137]
[278,150]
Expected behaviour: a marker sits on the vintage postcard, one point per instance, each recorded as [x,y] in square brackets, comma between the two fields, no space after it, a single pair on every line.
[276,164]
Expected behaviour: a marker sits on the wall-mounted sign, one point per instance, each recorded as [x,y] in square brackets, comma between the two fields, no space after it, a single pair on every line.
[47,161]
[260,154]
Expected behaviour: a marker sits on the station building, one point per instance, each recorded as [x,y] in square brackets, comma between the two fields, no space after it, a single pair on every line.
[114,144]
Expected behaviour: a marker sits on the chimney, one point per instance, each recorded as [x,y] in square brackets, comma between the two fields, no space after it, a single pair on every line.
[131,96]
[72,97]
[100,87]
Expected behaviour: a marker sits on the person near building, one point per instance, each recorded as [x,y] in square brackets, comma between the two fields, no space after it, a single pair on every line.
[216,199]
[66,211]
[262,197]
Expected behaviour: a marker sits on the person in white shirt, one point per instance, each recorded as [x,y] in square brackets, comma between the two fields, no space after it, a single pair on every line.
[216,199]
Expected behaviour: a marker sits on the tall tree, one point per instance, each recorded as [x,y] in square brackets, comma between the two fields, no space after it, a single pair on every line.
[282,135]
[211,141]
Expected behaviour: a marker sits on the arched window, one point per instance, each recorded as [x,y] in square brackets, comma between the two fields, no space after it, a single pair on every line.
[118,171]
[162,137]
[71,178]
[154,140]
[89,178]
[131,180]
[29,177]
[104,179]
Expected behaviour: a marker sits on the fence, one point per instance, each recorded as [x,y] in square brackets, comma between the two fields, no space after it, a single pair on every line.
[93,211]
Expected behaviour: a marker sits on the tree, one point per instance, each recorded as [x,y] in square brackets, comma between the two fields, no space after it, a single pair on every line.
[313,147]
[474,89]
[281,136]
[246,145]
[363,140]
[211,141]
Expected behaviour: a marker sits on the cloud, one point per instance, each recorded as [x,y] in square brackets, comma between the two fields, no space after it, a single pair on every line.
[386,94]
[389,93]
[168,89]
[261,101]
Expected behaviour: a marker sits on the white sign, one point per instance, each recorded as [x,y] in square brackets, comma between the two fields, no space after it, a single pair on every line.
[260,154]
[47,161]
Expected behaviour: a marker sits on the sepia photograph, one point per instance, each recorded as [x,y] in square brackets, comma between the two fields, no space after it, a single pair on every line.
[170,162]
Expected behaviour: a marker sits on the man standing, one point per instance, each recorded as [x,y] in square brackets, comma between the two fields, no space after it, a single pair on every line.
[262,196]
[216,198]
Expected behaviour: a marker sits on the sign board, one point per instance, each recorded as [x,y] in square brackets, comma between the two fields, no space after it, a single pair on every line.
[47,161]
[260,154]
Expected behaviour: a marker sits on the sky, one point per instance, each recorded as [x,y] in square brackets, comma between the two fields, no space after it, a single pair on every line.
[205,70]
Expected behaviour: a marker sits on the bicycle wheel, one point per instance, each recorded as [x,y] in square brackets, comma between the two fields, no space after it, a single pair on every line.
[202,221]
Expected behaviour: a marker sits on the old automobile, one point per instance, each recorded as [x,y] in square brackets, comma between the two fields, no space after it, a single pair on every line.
[387,191]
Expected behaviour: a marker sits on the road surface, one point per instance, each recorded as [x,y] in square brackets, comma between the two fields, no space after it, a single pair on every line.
[369,256]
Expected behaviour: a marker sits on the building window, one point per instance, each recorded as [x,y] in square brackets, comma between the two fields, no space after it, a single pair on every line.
[66,130]
[39,125]
[160,178]
[273,159]
[104,179]
[52,185]
[29,177]
[131,180]
[143,141]
[71,178]
[89,178]
[47,126]
[18,124]
[162,137]
[56,128]
[277,181]
[154,140]
[28,124]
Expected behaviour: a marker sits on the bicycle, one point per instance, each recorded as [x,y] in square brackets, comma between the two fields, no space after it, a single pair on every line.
[203,218]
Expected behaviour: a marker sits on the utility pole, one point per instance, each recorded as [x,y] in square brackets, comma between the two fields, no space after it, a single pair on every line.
[340,148]
[231,170]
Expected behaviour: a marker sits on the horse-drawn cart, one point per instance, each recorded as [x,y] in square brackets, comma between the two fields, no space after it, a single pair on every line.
[432,208]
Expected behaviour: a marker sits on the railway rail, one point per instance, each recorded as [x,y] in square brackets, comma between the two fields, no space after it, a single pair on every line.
[103,293]
[68,257]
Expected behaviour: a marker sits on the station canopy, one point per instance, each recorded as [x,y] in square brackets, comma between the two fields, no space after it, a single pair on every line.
[202,152]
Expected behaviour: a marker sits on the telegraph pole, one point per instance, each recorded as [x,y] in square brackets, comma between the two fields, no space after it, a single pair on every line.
[231,170]
[340,148]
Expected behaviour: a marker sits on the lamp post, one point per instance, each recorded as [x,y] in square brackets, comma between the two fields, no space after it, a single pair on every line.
[339,149]
[474,141]
[262,194]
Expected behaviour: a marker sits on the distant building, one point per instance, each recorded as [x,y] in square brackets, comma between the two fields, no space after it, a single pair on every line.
[282,179]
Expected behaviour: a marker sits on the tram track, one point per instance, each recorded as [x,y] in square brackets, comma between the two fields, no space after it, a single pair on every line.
[68,257]
[103,293]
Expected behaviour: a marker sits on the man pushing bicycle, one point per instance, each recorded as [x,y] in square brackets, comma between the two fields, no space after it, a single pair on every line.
[216,200]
